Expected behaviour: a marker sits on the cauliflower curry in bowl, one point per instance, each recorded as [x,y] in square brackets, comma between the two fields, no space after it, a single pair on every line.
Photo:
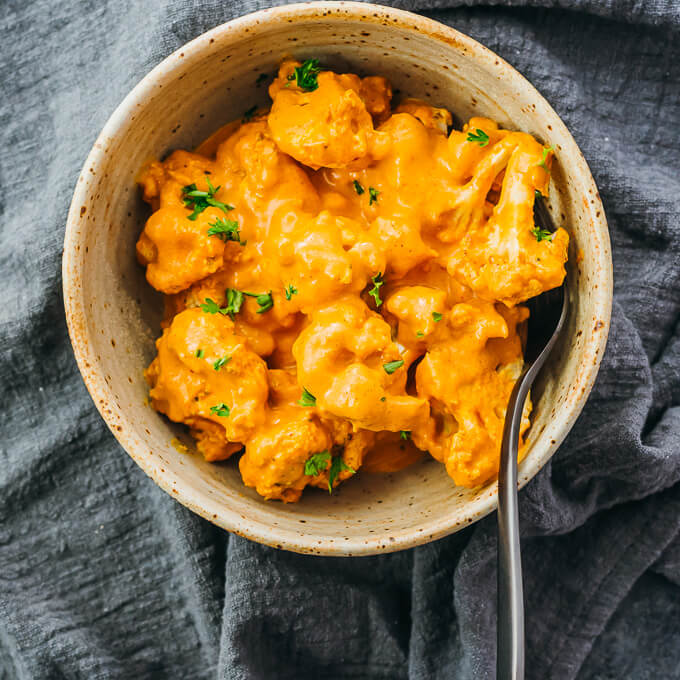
[344,280]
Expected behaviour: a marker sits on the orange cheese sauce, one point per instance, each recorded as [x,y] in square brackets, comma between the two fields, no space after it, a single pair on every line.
[391,453]
[344,282]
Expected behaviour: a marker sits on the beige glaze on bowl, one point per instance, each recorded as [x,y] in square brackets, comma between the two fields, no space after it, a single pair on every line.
[113,315]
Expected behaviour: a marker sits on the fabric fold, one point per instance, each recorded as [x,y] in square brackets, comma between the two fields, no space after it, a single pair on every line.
[103,575]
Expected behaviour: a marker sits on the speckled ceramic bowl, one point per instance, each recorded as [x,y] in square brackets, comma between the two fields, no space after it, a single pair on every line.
[113,315]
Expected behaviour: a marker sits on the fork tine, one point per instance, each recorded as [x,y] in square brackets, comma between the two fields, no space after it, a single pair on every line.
[542,215]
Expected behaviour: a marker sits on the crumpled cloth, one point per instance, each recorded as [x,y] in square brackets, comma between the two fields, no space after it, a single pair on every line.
[102,575]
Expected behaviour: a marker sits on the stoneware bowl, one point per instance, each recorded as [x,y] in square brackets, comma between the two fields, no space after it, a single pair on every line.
[113,315]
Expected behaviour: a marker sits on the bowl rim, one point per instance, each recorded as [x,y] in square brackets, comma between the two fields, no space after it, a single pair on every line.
[101,393]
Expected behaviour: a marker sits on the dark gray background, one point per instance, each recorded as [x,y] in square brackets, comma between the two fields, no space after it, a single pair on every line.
[102,575]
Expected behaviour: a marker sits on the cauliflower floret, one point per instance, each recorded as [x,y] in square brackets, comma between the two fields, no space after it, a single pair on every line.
[210,440]
[246,275]
[464,155]
[161,180]
[276,457]
[204,371]
[467,209]
[417,309]
[376,93]
[176,251]
[430,116]
[508,259]
[347,360]
[408,192]
[324,257]
[402,244]
[270,182]
[175,245]
[328,126]
[465,376]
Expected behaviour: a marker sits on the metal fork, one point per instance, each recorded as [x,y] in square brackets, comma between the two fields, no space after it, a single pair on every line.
[548,312]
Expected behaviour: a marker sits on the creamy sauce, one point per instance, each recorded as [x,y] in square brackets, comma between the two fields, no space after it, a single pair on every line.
[338,272]
[390,453]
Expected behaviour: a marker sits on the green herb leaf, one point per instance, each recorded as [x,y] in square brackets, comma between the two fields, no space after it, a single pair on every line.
[211,307]
[248,115]
[227,230]
[200,353]
[187,197]
[234,302]
[290,291]
[404,434]
[317,463]
[306,74]
[358,188]
[265,300]
[307,399]
[221,410]
[437,316]
[478,137]
[337,466]
[546,151]
[537,194]
[191,190]
[377,281]
[221,362]
[383,398]
[373,195]
[420,334]
[198,200]
[391,366]
[542,234]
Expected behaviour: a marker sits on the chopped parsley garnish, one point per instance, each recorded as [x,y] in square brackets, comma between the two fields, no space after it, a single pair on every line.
[377,281]
[373,195]
[538,194]
[546,151]
[307,399]
[542,234]
[220,409]
[248,115]
[391,366]
[478,137]
[383,398]
[265,300]
[290,290]
[211,307]
[420,334]
[234,302]
[437,316]
[337,466]
[227,230]
[317,463]
[404,434]
[198,201]
[200,353]
[357,187]
[260,79]
[306,74]
[221,362]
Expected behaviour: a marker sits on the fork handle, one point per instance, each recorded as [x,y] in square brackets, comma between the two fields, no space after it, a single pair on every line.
[510,632]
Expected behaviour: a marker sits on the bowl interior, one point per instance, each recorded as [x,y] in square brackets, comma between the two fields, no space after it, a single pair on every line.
[114,315]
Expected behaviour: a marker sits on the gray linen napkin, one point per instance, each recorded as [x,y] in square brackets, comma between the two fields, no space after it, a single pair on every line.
[102,575]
